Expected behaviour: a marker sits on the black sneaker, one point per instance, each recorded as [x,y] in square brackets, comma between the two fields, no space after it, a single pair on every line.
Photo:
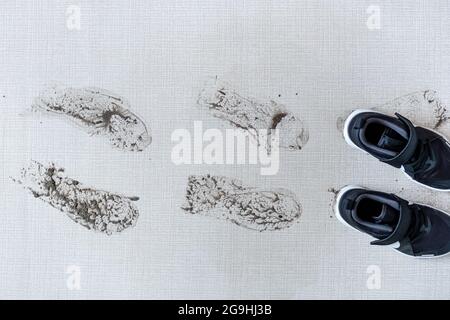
[412,229]
[423,154]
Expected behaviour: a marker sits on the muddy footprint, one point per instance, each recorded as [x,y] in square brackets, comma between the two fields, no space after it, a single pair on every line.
[253,116]
[423,108]
[228,199]
[96,210]
[97,112]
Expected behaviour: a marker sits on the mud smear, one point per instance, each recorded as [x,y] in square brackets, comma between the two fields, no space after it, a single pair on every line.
[251,115]
[228,199]
[97,112]
[96,210]
[423,108]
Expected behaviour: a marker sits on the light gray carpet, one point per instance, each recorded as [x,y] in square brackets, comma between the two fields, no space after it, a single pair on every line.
[318,58]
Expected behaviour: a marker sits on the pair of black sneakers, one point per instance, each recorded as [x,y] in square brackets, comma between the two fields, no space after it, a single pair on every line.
[424,156]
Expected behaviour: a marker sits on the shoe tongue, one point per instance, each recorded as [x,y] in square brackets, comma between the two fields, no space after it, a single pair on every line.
[388,215]
[391,140]
[383,222]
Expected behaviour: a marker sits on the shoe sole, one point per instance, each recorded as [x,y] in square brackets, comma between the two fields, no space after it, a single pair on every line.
[353,145]
[341,219]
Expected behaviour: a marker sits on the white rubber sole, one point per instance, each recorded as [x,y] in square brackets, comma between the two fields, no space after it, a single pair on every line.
[338,200]
[350,143]
[394,245]
[347,124]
